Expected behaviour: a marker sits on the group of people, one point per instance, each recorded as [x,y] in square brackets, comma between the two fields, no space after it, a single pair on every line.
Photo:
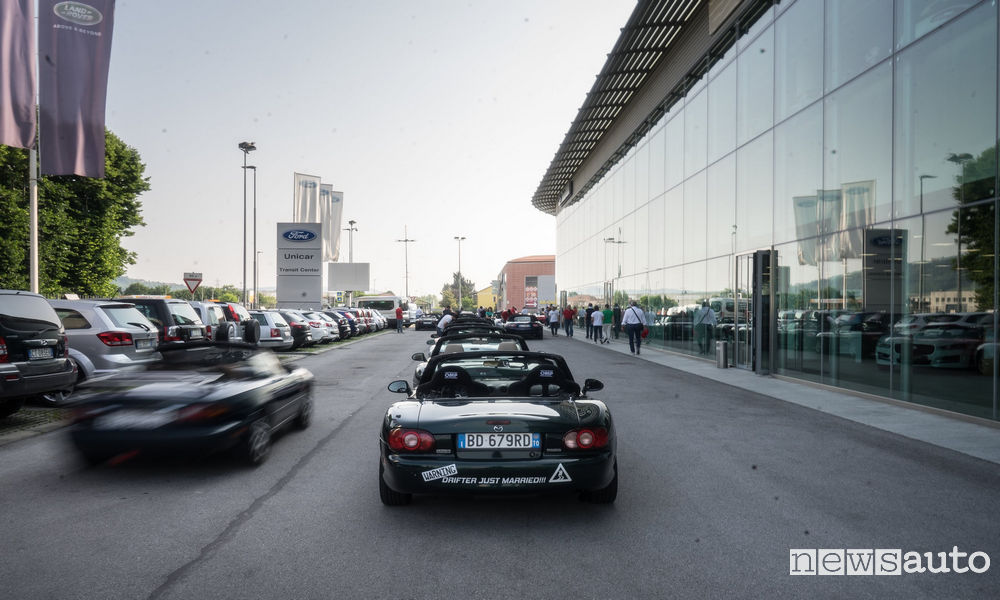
[600,323]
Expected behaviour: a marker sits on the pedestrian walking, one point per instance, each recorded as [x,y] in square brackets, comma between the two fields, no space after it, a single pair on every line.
[633,321]
[399,319]
[597,322]
[590,322]
[554,320]
[608,315]
[617,318]
[569,315]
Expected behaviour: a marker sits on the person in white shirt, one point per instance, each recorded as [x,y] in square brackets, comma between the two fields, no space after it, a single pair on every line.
[597,320]
[444,323]
[554,320]
[704,327]
[633,320]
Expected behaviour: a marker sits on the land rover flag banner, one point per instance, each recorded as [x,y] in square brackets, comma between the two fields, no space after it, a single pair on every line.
[74,41]
[17,86]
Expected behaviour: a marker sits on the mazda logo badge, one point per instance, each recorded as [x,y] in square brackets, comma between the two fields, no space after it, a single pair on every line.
[498,428]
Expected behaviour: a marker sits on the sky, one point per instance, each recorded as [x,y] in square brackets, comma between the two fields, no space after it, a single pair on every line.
[437,118]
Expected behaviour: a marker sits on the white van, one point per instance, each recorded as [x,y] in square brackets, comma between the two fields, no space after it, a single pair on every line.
[386,306]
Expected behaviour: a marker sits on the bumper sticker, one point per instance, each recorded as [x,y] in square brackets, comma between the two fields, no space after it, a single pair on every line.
[560,476]
[440,473]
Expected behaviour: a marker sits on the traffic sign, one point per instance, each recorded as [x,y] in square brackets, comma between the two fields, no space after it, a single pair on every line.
[192,281]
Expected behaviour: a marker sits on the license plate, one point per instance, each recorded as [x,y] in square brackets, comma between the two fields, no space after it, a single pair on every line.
[134,419]
[195,334]
[499,441]
[40,353]
[143,344]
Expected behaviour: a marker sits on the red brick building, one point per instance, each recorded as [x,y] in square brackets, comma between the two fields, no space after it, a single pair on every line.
[529,281]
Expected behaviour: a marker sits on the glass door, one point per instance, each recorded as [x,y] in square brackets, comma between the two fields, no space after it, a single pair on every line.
[741,337]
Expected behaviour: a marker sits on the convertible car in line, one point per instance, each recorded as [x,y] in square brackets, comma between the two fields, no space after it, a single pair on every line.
[199,399]
[493,422]
[466,342]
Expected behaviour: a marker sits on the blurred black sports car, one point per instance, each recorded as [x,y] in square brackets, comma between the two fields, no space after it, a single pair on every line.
[198,399]
[496,422]
[427,321]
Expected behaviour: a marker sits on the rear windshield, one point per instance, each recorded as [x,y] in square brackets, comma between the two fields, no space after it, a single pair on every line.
[378,304]
[293,318]
[184,313]
[27,313]
[127,315]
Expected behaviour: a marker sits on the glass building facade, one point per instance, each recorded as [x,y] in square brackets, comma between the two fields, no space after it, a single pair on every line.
[828,185]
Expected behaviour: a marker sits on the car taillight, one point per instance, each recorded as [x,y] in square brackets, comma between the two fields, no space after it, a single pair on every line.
[411,440]
[208,331]
[172,334]
[65,340]
[298,326]
[585,439]
[315,323]
[275,332]
[115,338]
[201,412]
[4,357]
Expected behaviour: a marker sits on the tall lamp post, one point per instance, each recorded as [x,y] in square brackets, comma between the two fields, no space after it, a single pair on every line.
[247,148]
[406,260]
[610,240]
[254,221]
[350,254]
[960,160]
[459,240]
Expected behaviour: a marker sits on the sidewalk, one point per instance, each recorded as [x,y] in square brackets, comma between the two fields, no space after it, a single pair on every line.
[958,433]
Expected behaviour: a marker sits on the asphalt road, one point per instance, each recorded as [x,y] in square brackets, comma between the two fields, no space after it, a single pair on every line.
[717,485]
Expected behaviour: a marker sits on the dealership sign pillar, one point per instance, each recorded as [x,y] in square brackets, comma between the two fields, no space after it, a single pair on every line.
[300,265]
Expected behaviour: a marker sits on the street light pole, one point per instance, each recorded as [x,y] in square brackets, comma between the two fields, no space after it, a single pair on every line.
[923,243]
[459,239]
[350,240]
[406,260]
[247,148]
[960,160]
[254,220]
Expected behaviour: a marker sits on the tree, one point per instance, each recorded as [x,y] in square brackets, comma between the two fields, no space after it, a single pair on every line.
[975,226]
[468,289]
[80,222]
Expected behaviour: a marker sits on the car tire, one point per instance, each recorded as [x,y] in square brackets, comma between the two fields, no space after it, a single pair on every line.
[255,446]
[985,367]
[55,398]
[389,496]
[225,332]
[251,331]
[605,495]
[10,406]
[304,418]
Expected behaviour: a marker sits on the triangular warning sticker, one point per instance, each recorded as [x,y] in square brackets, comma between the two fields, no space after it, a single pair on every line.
[560,476]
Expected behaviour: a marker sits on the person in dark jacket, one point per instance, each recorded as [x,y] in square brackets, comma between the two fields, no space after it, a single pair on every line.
[616,313]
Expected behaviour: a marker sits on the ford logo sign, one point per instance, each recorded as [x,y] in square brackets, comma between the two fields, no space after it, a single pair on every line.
[298,235]
[309,185]
[78,13]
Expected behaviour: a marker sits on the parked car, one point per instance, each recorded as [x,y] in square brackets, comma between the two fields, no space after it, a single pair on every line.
[106,336]
[854,334]
[943,345]
[198,399]
[303,333]
[326,325]
[247,328]
[466,342]
[34,355]
[214,319]
[176,320]
[275,333]
[343,326]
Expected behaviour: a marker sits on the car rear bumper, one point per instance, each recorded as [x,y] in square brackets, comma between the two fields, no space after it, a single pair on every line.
[448,475]
[14,383]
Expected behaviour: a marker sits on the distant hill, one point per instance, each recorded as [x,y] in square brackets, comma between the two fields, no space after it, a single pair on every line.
[123,282]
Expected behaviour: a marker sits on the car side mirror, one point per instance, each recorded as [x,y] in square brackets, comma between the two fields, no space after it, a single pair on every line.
[419,356]
[589,385]
[400,386]
[431,342]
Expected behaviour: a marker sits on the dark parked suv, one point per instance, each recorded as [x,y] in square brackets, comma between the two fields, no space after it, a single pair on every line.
[175,319]
[34,359]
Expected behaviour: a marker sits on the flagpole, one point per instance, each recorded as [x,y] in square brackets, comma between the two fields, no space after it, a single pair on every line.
[33,212]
